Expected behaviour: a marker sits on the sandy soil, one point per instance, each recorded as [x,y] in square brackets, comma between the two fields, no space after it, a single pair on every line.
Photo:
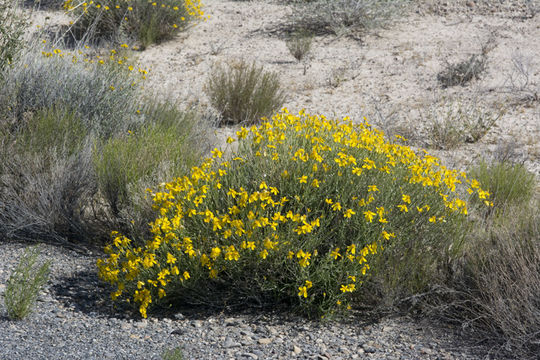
[389,76]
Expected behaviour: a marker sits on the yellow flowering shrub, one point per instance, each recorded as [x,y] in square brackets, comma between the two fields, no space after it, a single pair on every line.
[142,20]
[295,216]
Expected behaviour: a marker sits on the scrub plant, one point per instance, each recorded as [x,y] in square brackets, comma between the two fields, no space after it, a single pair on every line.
[299,45]
[243,93]
[79,144]
[295,216]
[12,26]
[146,22]
[24,284]
[343,17]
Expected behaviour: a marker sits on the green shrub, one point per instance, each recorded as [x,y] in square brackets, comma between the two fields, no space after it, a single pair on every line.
[508,183]
[174,354]
[24,284]
[294,216]
[144,21]
[244,93]
[12,26]
[128,164]
[341,17]
[64,129]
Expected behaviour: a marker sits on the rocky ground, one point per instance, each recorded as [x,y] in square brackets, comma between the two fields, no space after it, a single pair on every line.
[73,319]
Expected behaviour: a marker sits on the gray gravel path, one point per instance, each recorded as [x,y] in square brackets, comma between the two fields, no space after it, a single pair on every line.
[73,319]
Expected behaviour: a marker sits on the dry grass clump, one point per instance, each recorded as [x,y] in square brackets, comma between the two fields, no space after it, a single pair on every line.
[462,72]
[244,93]
[343,17]
[452,122]
[492,285]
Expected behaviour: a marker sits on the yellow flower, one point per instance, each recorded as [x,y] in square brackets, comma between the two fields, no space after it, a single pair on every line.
[170,259]
[214,254]
[349,213]
[335,253]
[303,291]
[403,208]
[369,215]
[303,179]
[406,199]
[186,275]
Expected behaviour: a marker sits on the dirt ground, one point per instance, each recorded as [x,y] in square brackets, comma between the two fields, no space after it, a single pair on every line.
[388,76]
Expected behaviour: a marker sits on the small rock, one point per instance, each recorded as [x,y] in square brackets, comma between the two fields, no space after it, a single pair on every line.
[250,356]
[265,341]
[229,343]
[296,350]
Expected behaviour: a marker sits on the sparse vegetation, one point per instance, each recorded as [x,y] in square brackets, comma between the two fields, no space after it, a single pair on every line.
[450,123]
[24,284]
[343,17]
[243,93]
[299,45]
[462,72]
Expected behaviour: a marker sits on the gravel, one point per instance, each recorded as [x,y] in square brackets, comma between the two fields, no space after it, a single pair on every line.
[74,319]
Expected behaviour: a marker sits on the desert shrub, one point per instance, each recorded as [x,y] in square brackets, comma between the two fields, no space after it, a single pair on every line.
[102,92]
[343,16]
[47,177]
[504,272]
[492,290]
[144,21]
[12,26]
[299,45]
[451,123]
[126,165]
[61,138]
[508,183]
[173,354]
[462,72]
[244,93]
[294,216]
[24,284]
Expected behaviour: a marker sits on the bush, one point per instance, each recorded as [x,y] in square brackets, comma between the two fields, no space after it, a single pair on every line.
[244,93]
[505,269]
[24,284]
[508,183]
[47,178]
[173,354]
[463,72]
[101,91]
[341,17]
[144,21]
[295,216]
[12,26]
[128,164]
[65,147]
